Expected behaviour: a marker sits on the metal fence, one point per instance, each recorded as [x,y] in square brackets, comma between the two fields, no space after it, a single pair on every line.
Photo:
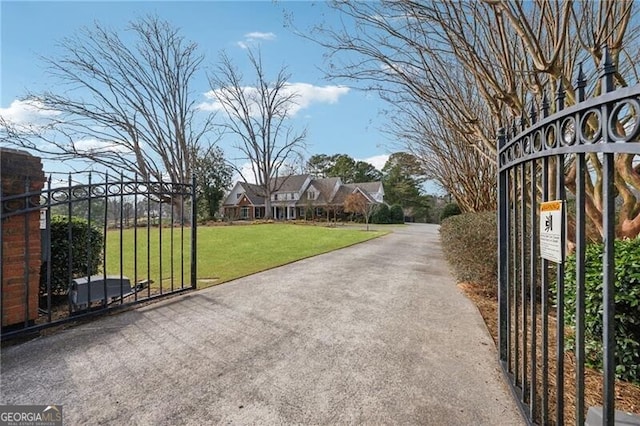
[103,245]
[584,148]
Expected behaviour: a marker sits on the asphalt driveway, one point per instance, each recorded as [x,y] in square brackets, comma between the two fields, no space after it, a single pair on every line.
[376,333]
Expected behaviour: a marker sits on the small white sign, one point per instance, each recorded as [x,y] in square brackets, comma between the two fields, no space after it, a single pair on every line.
[43,218]
[551,224]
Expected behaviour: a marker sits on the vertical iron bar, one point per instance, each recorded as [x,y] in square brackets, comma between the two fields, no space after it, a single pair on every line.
[135,236]
[503,254]
[608,337]
[69,236]
[523,277]
[580,264]
[27,251]
[560,192]
[105,229]
[88,242]
[148,184]
[580,287]
[121,226]
[48,252]
[516,276]
[162,193]
[171,235]
[545,309]
[608,256]
[533,381]
[513,242]
[194,239]
[183,194]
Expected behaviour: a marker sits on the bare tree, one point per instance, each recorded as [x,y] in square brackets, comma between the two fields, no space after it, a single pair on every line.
[258,116]
[124,104]
[359,204]
[510,52]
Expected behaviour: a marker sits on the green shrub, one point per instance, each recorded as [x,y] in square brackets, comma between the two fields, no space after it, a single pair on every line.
[396,214]
[81,265]
[627,306]
[381,215]
[451,209]
[470,245]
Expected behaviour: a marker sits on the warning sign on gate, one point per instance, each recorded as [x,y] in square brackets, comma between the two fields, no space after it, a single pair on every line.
[551,225]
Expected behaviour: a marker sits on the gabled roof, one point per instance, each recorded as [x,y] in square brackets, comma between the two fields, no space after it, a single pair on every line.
[251,191]
[291,183]
[342,194]
[368,187]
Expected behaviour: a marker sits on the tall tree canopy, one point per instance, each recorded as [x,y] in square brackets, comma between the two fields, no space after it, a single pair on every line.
[257,116]
[455,72]
[402,181]
[342,166]
[125,102]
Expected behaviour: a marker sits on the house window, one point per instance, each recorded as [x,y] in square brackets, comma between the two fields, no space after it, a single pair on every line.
[258,213]
[244,212]
[311,195]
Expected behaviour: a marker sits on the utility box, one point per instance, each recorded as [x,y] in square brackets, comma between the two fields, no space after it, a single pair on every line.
[116,286]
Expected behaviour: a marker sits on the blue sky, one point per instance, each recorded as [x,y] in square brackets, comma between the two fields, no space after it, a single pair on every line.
[338,120]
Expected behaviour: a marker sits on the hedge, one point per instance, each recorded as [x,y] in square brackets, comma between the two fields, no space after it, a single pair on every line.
[627,306]
[470,245]
[83,235]
[451,209]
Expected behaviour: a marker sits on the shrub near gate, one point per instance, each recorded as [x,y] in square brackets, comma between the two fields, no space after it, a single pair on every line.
[627,306]
[470,245]
[451,209]
[83,236]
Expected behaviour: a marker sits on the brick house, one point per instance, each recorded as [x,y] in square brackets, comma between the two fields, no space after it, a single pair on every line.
[297,197]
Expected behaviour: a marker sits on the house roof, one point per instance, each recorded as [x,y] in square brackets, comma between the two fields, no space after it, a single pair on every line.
[368,187]
[291,183]
[325,188]
[342,194]
[252,191]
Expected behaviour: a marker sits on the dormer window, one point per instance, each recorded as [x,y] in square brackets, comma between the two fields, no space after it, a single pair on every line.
[311,195]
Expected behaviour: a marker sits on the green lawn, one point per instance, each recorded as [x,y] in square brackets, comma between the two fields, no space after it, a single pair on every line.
[224,252]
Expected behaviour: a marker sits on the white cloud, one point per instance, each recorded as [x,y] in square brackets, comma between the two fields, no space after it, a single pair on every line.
[27,114]
[247,172]
[255,37]
[378,161]
[305,95]
[92,145]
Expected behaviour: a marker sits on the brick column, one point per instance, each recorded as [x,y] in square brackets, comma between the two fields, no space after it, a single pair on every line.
[21,249]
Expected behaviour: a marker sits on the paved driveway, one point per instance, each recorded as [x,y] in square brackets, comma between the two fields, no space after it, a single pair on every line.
[375,333]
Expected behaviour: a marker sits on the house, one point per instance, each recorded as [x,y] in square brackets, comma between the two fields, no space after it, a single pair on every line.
[297,197]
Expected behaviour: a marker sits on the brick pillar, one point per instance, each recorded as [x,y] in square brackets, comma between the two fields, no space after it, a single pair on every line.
[21,249]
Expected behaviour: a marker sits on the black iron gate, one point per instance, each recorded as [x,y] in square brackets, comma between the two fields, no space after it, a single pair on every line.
[100,246]
[588,148]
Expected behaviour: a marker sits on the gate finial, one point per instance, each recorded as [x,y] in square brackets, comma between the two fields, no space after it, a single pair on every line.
[608,70]
[545,104]
[560,96]
[533,113]
[581,83]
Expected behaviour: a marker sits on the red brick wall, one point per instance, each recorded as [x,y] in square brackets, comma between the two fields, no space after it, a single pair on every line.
[17,168]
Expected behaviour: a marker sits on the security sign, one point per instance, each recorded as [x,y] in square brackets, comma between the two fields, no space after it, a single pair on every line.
[551,225]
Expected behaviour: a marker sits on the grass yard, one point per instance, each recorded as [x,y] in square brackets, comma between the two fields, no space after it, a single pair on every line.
[224,252]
